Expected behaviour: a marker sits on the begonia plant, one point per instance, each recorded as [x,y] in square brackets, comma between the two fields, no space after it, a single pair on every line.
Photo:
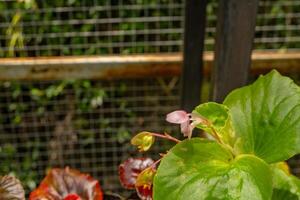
[67,184]
[249,138]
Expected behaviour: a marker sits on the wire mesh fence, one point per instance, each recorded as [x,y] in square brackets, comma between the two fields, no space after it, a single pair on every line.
[84,27]
[82,124]
[88,124]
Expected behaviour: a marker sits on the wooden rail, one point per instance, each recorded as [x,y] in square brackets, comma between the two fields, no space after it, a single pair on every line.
[133,66]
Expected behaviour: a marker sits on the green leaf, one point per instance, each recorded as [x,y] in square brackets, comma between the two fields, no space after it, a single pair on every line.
[218,117]
[199,169]
[286,186]
[266,117]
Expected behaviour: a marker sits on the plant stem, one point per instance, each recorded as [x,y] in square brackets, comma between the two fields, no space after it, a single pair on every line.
[166,136]
[153,165]
[215,135]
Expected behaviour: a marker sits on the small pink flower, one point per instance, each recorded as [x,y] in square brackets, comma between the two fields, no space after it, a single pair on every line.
[187,121]
[178,117]
[186,129]
[183,118]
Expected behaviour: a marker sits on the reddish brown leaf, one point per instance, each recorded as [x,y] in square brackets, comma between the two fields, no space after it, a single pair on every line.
[67,184]
[130,169]
[11,189]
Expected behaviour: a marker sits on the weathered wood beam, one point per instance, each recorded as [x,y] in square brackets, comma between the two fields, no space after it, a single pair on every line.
[234,39]
[192,69]
[138,66]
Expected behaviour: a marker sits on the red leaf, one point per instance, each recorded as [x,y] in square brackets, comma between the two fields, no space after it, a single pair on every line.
[144,192]
[72,197]
[67,184]
[130,169]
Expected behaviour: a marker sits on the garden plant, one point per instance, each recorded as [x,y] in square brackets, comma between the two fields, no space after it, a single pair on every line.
[40,37]
[248,139]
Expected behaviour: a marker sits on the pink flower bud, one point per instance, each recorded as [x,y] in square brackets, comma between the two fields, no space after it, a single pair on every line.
[178,117]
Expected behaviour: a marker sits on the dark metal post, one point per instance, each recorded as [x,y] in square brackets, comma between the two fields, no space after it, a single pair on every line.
[235,34]
[192,72]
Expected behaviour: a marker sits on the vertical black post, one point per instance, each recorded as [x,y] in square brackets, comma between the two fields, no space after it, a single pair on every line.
[235,34]
[194,30]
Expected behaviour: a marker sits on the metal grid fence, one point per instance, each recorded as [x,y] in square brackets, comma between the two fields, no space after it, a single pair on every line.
[87,124]
[82,124]
[97,27]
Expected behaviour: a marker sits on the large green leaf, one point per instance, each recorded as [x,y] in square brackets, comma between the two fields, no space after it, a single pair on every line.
[219,119]
[286,186]
[266,117]
[199,169]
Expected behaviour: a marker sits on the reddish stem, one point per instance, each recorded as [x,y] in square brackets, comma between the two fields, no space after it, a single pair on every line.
[153,165]
[166,136]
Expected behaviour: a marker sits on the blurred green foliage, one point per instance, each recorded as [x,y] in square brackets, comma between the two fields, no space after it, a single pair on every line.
[95,119]
[20,151]
[48,26]
[54,27]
